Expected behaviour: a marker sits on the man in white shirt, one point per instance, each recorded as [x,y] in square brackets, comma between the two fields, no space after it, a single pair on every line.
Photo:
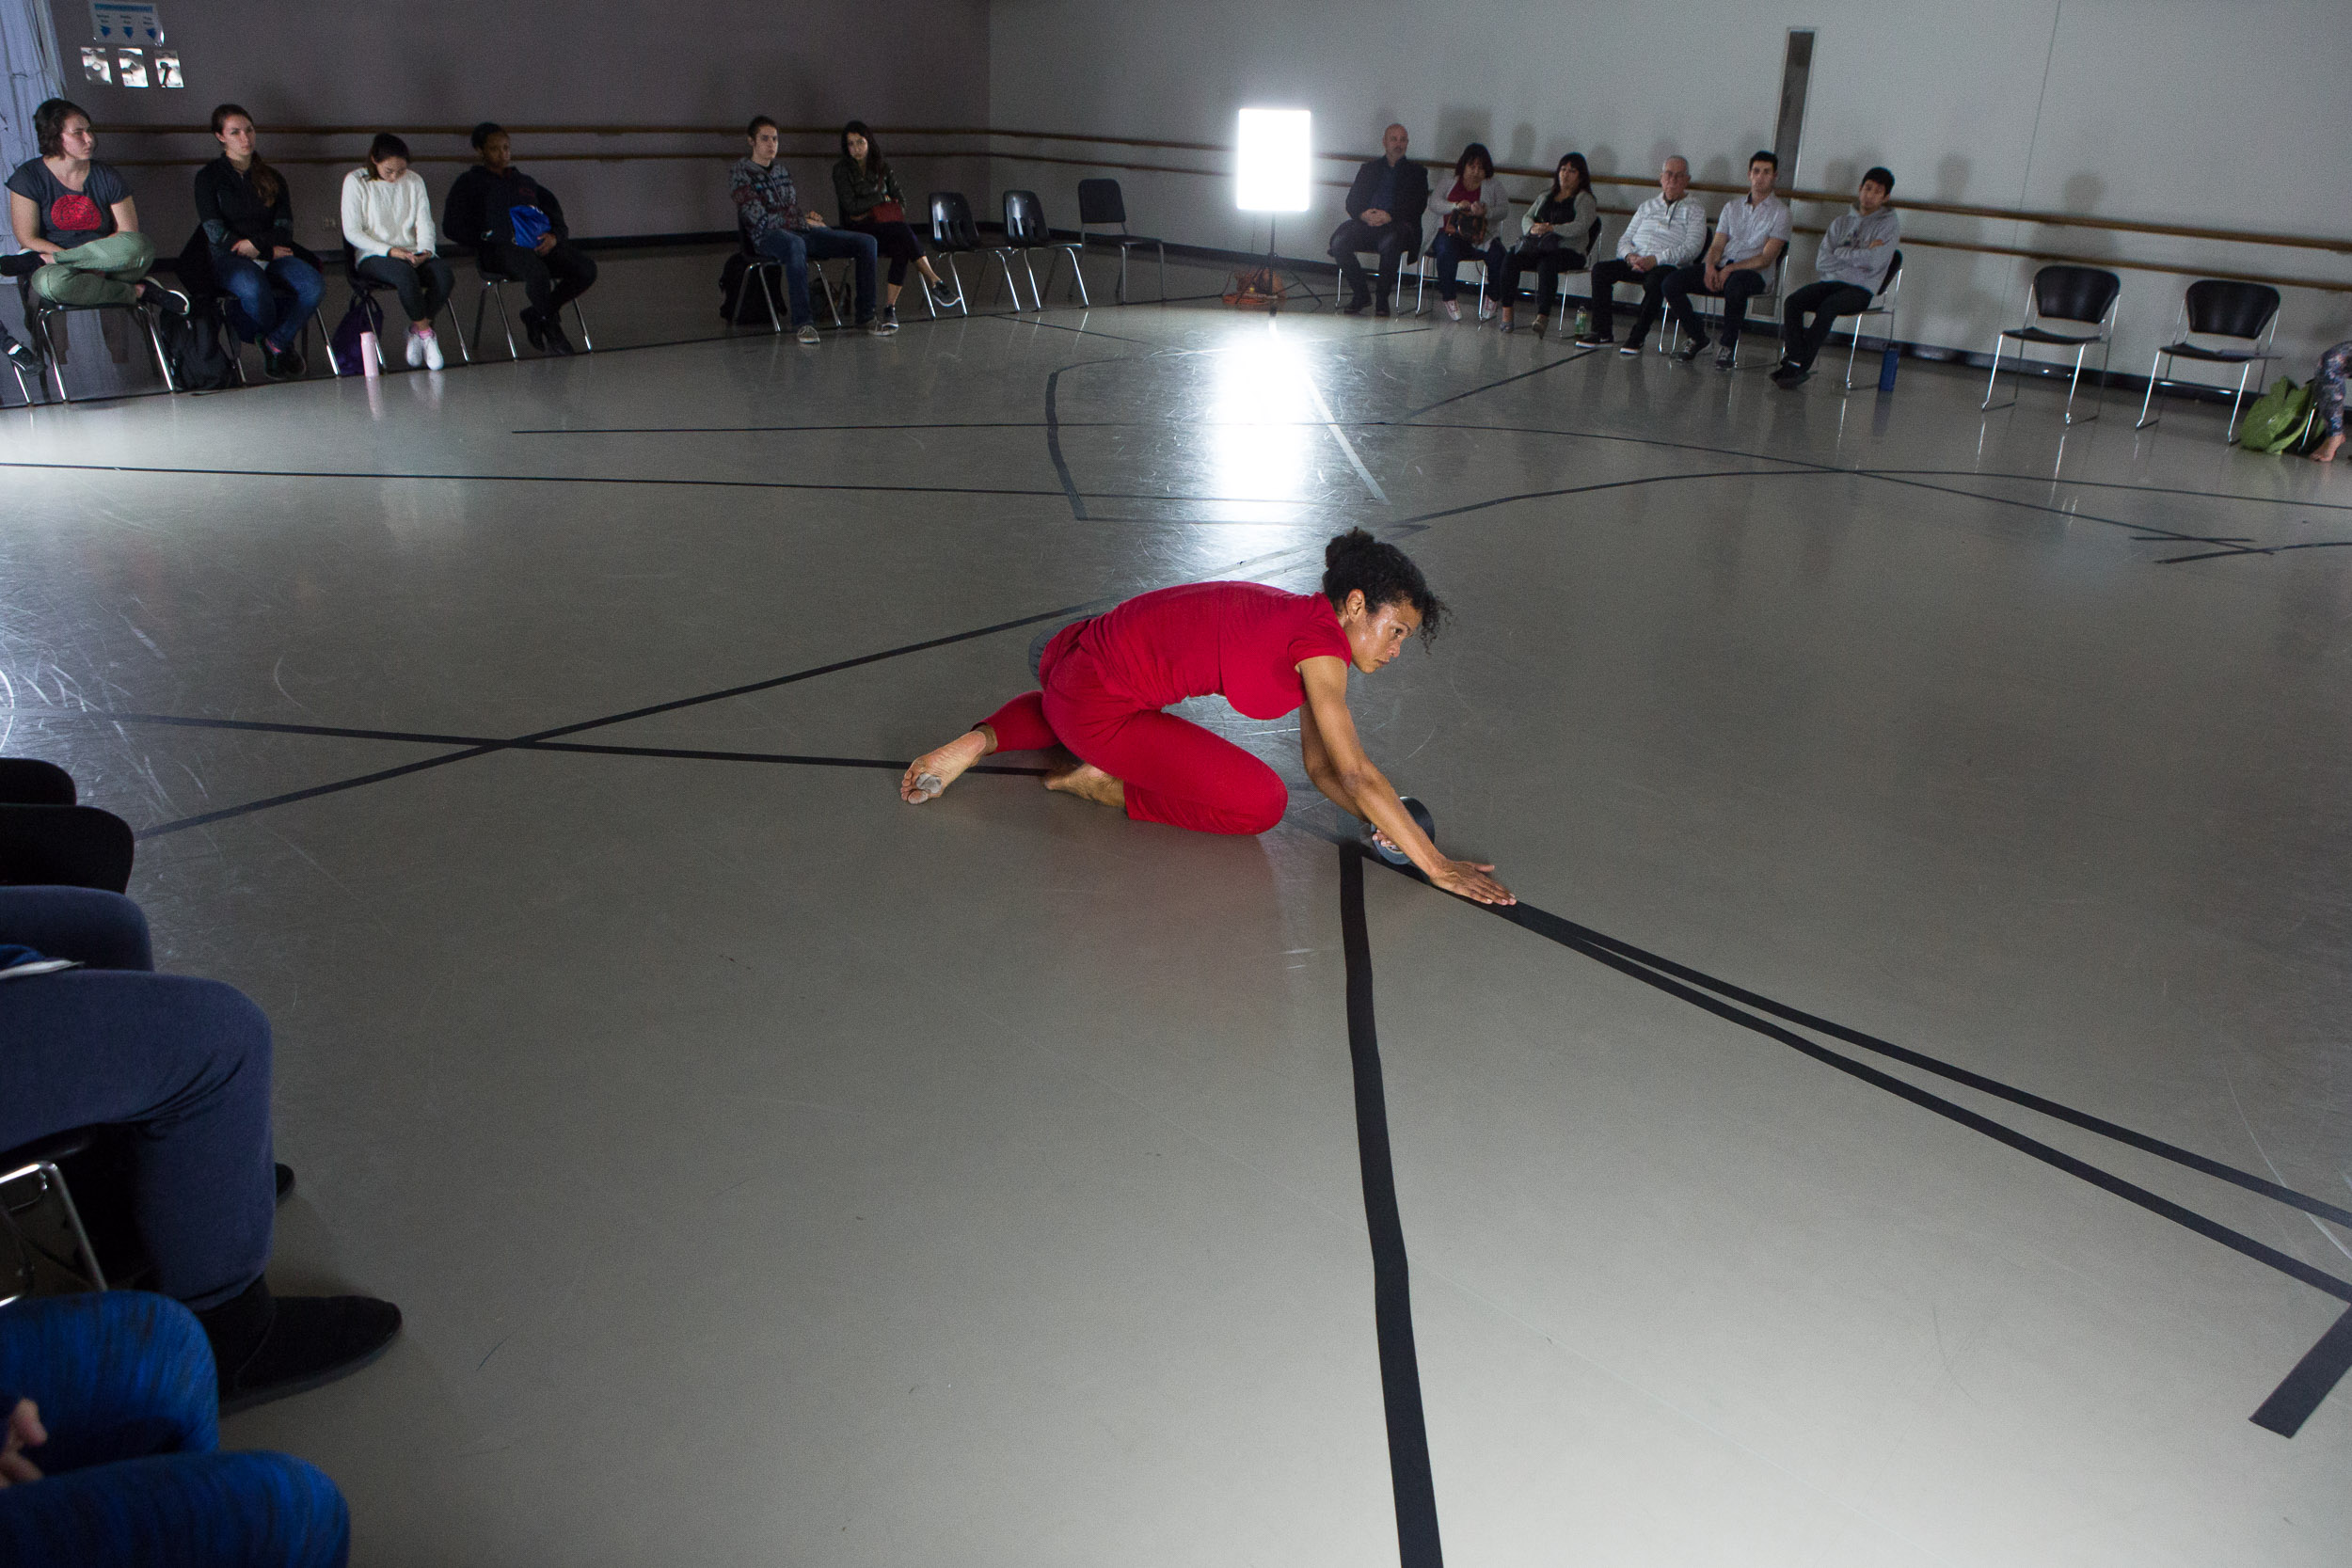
[1750,233]
[1664,231]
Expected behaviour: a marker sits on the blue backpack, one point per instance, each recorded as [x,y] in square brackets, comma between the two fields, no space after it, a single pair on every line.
[529,222]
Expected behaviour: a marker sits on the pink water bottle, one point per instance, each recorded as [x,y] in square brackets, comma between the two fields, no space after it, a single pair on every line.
[371,363]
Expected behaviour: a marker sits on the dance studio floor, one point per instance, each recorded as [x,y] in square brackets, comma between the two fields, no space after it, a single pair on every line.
[1901,1127]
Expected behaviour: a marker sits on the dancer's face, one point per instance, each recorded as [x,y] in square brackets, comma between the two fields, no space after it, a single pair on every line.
[1376,636]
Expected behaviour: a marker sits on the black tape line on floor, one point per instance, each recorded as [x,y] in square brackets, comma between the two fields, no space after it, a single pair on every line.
[1409,1471]
[1559,927]
[2314,1379]
[2283,1413]
[1548,365]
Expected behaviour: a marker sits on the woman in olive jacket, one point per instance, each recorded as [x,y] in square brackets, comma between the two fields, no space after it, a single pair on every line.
[866,196]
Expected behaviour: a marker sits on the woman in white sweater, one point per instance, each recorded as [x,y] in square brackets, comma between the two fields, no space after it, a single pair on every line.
[388,221]
[1472,219]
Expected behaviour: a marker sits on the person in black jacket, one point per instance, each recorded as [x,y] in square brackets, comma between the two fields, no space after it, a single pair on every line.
[516,226]
[248,229]
[1384,208]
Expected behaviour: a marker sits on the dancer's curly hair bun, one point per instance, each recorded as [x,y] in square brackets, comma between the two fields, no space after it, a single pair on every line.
[1356,560]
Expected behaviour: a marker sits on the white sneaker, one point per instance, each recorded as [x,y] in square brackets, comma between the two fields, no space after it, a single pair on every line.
[433,361]
[1485,309]
[1452,311]
[416,349]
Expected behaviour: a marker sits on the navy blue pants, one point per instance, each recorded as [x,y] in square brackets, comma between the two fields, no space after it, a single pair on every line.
[131,1473]
[181,1064]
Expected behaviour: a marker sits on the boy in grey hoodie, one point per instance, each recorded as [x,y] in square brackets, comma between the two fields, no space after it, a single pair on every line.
[1856,254]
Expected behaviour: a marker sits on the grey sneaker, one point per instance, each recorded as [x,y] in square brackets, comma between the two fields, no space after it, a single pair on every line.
[808,334]
[878,326]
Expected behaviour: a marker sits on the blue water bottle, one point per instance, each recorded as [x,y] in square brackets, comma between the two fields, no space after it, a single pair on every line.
[1886,369]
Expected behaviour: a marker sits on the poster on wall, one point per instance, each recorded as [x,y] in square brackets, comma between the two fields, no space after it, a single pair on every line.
[167,68]
[97,65]
[130,67]
[121,21]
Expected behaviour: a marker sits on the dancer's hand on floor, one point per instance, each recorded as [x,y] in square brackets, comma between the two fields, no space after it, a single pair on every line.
[1469,880]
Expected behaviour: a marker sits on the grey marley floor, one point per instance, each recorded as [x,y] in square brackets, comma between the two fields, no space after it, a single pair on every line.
[772,1173]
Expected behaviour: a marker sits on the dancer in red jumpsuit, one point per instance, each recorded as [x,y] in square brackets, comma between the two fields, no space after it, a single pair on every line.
[1267,653]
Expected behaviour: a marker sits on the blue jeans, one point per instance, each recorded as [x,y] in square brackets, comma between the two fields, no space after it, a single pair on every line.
[182,1064]
[258,311]
[797,247]
[131,1473]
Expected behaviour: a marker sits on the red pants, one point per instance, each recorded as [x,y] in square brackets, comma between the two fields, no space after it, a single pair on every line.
[1175,771]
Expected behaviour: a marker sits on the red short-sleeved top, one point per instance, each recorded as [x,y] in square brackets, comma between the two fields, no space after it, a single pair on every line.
[1241,640]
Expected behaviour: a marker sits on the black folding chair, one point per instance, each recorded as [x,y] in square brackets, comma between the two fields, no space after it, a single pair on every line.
[2248,314]
[1100,206]
[953,234]
[1026,231]
[2084,299]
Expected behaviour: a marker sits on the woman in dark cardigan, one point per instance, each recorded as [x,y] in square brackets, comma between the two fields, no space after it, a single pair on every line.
[866,196]
[248,229]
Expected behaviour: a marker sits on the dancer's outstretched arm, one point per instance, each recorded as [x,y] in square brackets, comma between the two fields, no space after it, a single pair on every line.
[1337,763]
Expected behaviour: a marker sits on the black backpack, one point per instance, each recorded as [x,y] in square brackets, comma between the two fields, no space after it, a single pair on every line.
[192,344]
[731,293]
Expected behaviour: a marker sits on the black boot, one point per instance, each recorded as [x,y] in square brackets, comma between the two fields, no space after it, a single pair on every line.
[266,1347]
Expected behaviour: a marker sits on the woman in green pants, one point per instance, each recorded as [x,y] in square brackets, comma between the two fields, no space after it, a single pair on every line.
[76,213]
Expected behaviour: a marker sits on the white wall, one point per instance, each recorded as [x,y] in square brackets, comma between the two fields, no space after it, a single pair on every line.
[2168,111]
[452,62]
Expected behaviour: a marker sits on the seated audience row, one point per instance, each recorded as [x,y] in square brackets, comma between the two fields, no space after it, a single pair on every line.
[1666,251]
[109,1403]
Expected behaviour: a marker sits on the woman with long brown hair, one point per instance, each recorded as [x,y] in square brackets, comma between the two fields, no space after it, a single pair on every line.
[1559,227]
[869,202]
[249,226]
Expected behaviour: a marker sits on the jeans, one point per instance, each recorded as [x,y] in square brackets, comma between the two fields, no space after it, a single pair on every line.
[1549,256]
[182,1065]
[797,247]
[551,281]
[100,273]
[1616,270]
[2328,383]
[133,1472]
[422,286]
[1452,252]
[1392,240]
[256,310]
[1801,339]
[1738,288]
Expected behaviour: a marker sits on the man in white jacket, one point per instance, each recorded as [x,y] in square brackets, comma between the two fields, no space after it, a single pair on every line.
[1666,231]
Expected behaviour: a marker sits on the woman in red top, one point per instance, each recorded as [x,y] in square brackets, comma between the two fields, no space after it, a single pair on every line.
[1264,651]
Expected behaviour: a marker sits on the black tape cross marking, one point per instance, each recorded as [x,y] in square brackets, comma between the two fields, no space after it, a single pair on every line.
[1409,1474]
[2311,1382]
[2314,1379]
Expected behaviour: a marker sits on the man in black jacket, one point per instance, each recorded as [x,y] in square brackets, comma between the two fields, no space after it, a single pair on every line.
[495,208]
[1384,208]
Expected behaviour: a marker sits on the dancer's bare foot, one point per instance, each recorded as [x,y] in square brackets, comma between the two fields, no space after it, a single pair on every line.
[2325,452]
[1085,780]
[928,776]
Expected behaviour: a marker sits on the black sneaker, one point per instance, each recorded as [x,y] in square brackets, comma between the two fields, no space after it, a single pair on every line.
[890,318]
[552,330]
[266,1347]
[1631,346]
[1692,348]
[275,363]
[1380,309]
[25,356]
[1791,377]
[1594,340]
[536,328]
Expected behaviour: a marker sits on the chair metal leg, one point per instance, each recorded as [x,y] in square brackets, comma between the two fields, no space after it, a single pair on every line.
[2144,422]
[1078,275]
[1163,271]
[49,350]
[2081,354]
[52,1182]
[155,342]
[2229,432]
[957,273]
[457,330]
[1030,268]
[1987,405]
[581,321]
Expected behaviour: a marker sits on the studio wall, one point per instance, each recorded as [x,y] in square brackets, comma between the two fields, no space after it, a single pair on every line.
[541,62]
[2165,111]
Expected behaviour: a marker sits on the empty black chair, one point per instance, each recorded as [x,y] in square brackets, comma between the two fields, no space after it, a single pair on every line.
[1100,206]
[2083,296]
[362,284]
[2219,307]
[64,846]
[29,782]
[1026,229]
[954,233]
[29,1176]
